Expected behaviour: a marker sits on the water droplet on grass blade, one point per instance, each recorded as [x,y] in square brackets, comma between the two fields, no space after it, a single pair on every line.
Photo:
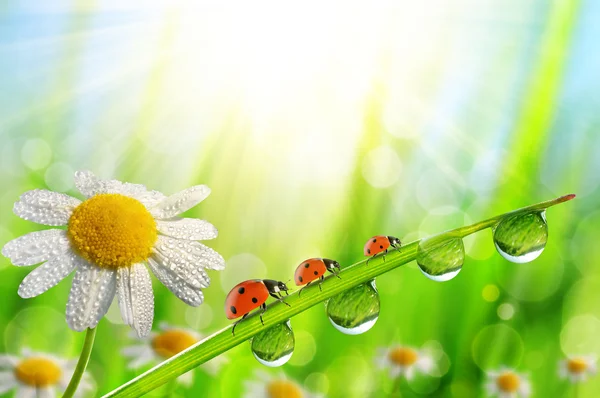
[521,238]
[441,258]
[356,310]
[274,346]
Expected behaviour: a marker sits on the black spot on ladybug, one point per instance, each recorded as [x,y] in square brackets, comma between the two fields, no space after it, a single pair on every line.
[233,310]
[374,240]
[254,300]
[241,290]
[316,273]
[381,246]
[369,251]
[300,278]
[306,265]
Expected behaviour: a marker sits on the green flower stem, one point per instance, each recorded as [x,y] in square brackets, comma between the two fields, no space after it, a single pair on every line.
[277,313]
[84,358]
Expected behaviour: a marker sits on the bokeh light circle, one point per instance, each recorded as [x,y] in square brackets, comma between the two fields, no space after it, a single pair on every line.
[497,345]
[199,318]
[305,348]
[585,250]
[534,281]
[505,311]
[580,336]
[39,328]
[36,154]
[317,383]
[490,293]
[382,167]
[241,267]
[59,177]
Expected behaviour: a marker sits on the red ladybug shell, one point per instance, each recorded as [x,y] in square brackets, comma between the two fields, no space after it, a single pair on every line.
[376,245]
[309,270]
[245,297]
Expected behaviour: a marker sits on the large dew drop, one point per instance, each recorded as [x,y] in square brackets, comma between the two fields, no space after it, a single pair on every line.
[441,258]
[274,346]
[522,237]
[356,310]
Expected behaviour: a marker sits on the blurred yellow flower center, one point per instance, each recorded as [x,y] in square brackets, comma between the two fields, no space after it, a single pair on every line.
[508,382]
[283,389]
[402,356]
[172,342]
[38,372]
[112,231]
[576,365]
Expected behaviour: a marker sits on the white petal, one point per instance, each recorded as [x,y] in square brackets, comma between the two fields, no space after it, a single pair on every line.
[25,392]
[36,247]
[136,299]
[7,381]
[194,276]
[491,388]
[190,252]
[46,392]
[188,228]
[8,361]
[524,388]
[132,351]
[396,371]
[187,378]
[89,185]
[178,286]
[409,373]
[138,355]
[213,366]
[48,275]
[91,294]
[180,202]
[425,364]
[45,207]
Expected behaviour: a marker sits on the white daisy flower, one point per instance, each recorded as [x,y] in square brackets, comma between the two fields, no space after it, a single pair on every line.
[577,368]
[506,383]
[162,345]
[109,240]
[40,375]
[266,385]
[405,361]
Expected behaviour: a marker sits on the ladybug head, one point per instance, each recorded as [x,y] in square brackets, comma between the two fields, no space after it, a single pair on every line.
[394,241]
[282,286]
[331,265]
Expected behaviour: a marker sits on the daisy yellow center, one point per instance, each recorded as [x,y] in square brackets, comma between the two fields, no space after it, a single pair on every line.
[172,342]
[576,365]
[38,372]
[283,389]
[403,356]
[112,231]
[508,382]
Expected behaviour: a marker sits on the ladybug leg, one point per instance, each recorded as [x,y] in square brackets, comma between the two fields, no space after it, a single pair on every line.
[279,298]
[322,279]
[384,255]
[305,286]
[264,308]
[236,322]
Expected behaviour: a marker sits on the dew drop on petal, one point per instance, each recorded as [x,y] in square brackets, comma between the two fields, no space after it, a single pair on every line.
[274,347]
[355,310]
[521,238]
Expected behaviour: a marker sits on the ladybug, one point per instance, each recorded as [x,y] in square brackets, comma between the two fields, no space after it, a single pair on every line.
[248,295]
[380,244]
[313,269]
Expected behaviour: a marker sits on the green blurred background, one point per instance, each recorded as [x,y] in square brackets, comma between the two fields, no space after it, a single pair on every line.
[318,126]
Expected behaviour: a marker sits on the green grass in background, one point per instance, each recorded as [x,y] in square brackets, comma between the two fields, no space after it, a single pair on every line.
[315,131]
